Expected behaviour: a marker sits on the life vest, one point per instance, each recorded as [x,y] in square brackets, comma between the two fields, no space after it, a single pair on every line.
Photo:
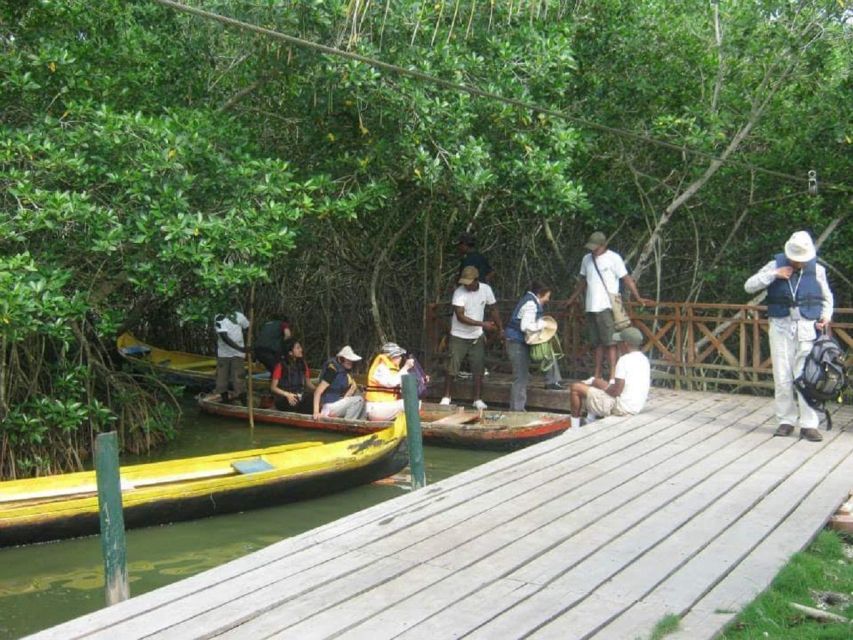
[339,385]
[513,331]
[809,296]
[292,375]
[375,391]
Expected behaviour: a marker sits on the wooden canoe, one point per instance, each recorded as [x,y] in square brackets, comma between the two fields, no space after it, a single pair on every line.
[191,370]
[445,425]
[65,506]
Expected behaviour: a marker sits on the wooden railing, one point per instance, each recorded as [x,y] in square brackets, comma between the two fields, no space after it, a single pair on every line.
[691,345]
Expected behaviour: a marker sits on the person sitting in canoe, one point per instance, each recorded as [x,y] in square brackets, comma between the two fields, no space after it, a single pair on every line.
[384,382]
[336,393]
[291,384]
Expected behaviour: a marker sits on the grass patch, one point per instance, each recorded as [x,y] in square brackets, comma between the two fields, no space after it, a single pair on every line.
[665,626]
[819,577]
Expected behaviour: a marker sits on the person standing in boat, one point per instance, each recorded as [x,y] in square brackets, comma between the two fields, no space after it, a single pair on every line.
[466,244]
[291,384]
[467,331]
[270,344]
[230,356]
[384,382]
[799,304]
[336,395]
[527,318]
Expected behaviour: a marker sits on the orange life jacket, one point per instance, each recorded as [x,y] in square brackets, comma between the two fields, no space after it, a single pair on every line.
[375,392]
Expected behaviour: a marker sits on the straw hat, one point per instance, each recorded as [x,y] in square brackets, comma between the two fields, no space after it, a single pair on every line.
[545,333]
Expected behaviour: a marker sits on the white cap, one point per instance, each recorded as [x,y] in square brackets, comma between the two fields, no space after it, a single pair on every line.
[349,354]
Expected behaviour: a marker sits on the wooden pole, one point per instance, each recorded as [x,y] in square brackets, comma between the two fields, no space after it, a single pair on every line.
[113,543]
[414,438]
[250,398]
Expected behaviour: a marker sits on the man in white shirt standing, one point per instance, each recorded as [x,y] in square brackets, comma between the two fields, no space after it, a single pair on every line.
[230,354]
[467,338]
[626,394]
[799,303]
[600,274]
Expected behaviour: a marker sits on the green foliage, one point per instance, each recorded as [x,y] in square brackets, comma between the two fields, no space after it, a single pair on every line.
[820,569]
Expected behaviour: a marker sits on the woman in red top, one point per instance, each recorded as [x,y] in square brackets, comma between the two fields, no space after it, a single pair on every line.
[291,384]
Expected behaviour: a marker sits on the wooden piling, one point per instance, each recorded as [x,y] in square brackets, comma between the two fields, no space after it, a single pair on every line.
[113,544]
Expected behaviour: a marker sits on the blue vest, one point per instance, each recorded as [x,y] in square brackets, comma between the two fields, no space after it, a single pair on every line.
[809,296]
[339,385]
[513,331]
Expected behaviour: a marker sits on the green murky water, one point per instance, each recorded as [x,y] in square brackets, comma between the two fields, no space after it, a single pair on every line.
[43,585]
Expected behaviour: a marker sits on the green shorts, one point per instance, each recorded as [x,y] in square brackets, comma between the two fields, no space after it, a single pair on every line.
[475,350]
[599,328]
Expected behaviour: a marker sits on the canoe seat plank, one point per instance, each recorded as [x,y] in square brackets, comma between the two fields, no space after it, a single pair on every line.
[252,466]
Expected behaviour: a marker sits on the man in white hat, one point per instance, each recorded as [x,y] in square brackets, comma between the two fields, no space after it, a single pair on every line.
[467,327]
[336,393]
[799,303]
[600,274]
[626,394]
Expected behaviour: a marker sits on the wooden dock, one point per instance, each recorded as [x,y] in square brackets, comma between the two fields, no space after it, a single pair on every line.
[689,508]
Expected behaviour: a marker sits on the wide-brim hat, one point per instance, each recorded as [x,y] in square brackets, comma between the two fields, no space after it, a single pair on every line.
[393,350]
[545,333]
[800,247]
[348,354]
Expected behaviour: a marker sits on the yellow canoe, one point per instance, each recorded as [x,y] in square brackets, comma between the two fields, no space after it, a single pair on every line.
[178,367]
[65,506]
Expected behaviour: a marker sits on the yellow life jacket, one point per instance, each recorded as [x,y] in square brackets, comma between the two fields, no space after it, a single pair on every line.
[375,392]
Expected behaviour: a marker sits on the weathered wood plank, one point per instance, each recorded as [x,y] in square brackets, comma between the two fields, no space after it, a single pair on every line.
[713,564]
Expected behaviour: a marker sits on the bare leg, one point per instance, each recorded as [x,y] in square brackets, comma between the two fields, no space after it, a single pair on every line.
[611,356]
[599,356]
[478,385]
[577,394]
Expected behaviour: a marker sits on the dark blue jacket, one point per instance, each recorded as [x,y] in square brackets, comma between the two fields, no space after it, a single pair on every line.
[809,296]
[339,385]
[513,331]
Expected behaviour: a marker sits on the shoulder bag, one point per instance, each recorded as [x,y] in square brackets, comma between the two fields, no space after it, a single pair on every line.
[620,315]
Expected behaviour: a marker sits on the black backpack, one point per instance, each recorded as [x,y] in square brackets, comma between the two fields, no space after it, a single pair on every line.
[824,375]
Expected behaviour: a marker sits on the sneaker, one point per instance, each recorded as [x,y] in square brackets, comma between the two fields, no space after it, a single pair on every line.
[485,372]
[480,405]
[589,380]
[445,400]
[555,386]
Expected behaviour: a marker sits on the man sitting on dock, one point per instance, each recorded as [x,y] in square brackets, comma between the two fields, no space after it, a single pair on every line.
[628,391]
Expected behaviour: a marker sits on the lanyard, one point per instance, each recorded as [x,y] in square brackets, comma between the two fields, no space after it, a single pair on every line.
[794,290]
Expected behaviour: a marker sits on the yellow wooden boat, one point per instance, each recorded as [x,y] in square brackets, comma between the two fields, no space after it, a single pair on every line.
[65,506]
[178,367]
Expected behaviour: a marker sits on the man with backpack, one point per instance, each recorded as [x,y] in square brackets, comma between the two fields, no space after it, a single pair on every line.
[799,304]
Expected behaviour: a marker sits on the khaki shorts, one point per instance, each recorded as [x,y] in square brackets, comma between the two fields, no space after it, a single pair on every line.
[475,350]
[598,401]
[599,328]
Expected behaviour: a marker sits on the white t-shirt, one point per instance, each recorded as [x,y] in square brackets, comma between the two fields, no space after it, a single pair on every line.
[232,325]
[612,270]
[474,303]
[634,369]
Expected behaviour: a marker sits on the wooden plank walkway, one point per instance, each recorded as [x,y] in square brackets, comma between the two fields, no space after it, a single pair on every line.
[689,508]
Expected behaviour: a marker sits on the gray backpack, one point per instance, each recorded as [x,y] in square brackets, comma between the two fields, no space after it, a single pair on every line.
[824,375]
